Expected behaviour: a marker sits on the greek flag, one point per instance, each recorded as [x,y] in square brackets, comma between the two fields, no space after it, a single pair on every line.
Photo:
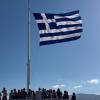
[56,28]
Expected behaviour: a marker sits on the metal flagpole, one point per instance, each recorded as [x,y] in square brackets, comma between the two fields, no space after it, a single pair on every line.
[28,51]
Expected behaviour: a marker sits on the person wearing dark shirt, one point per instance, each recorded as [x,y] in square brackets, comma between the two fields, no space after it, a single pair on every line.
[15,94]
[59,93]
[19,94]
[65,95]
[73,97]
[11,95]
[24,93]
[44,95]
[54,94]
[0,95]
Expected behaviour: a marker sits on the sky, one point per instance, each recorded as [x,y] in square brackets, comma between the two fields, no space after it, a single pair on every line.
[73,66]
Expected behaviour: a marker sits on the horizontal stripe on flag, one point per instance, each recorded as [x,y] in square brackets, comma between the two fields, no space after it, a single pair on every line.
[69,22]
[72,25]
[59,37]
[59,41]
[69,13]
[60,33]
[48,20]
[59,30]
[68,19]
[58,19]
[50,15]
[70,16]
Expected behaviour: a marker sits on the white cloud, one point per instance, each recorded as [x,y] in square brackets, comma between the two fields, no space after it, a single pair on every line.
[93,81]
[77,87]
[58,86]
[97,93]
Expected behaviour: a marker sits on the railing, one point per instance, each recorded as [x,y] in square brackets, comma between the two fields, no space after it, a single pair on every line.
[41,99]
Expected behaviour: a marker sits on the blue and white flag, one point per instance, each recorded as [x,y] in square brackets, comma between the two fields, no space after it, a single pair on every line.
[56,28]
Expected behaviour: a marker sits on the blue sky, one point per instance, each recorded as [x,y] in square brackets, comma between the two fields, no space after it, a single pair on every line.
[74,66]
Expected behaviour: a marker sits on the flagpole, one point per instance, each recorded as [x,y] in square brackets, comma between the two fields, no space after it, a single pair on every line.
[28,50]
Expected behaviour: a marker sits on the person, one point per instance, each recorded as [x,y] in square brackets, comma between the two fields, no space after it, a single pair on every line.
[59,93]
[4,92]
[49,93]
[44,95]
[54,94]
[65,95]
[33,95]
[11,95]
[73,96]
[19,94]
[24,93]
[15,94]
[0,95]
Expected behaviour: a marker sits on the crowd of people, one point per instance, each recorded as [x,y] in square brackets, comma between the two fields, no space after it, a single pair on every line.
[35,95]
